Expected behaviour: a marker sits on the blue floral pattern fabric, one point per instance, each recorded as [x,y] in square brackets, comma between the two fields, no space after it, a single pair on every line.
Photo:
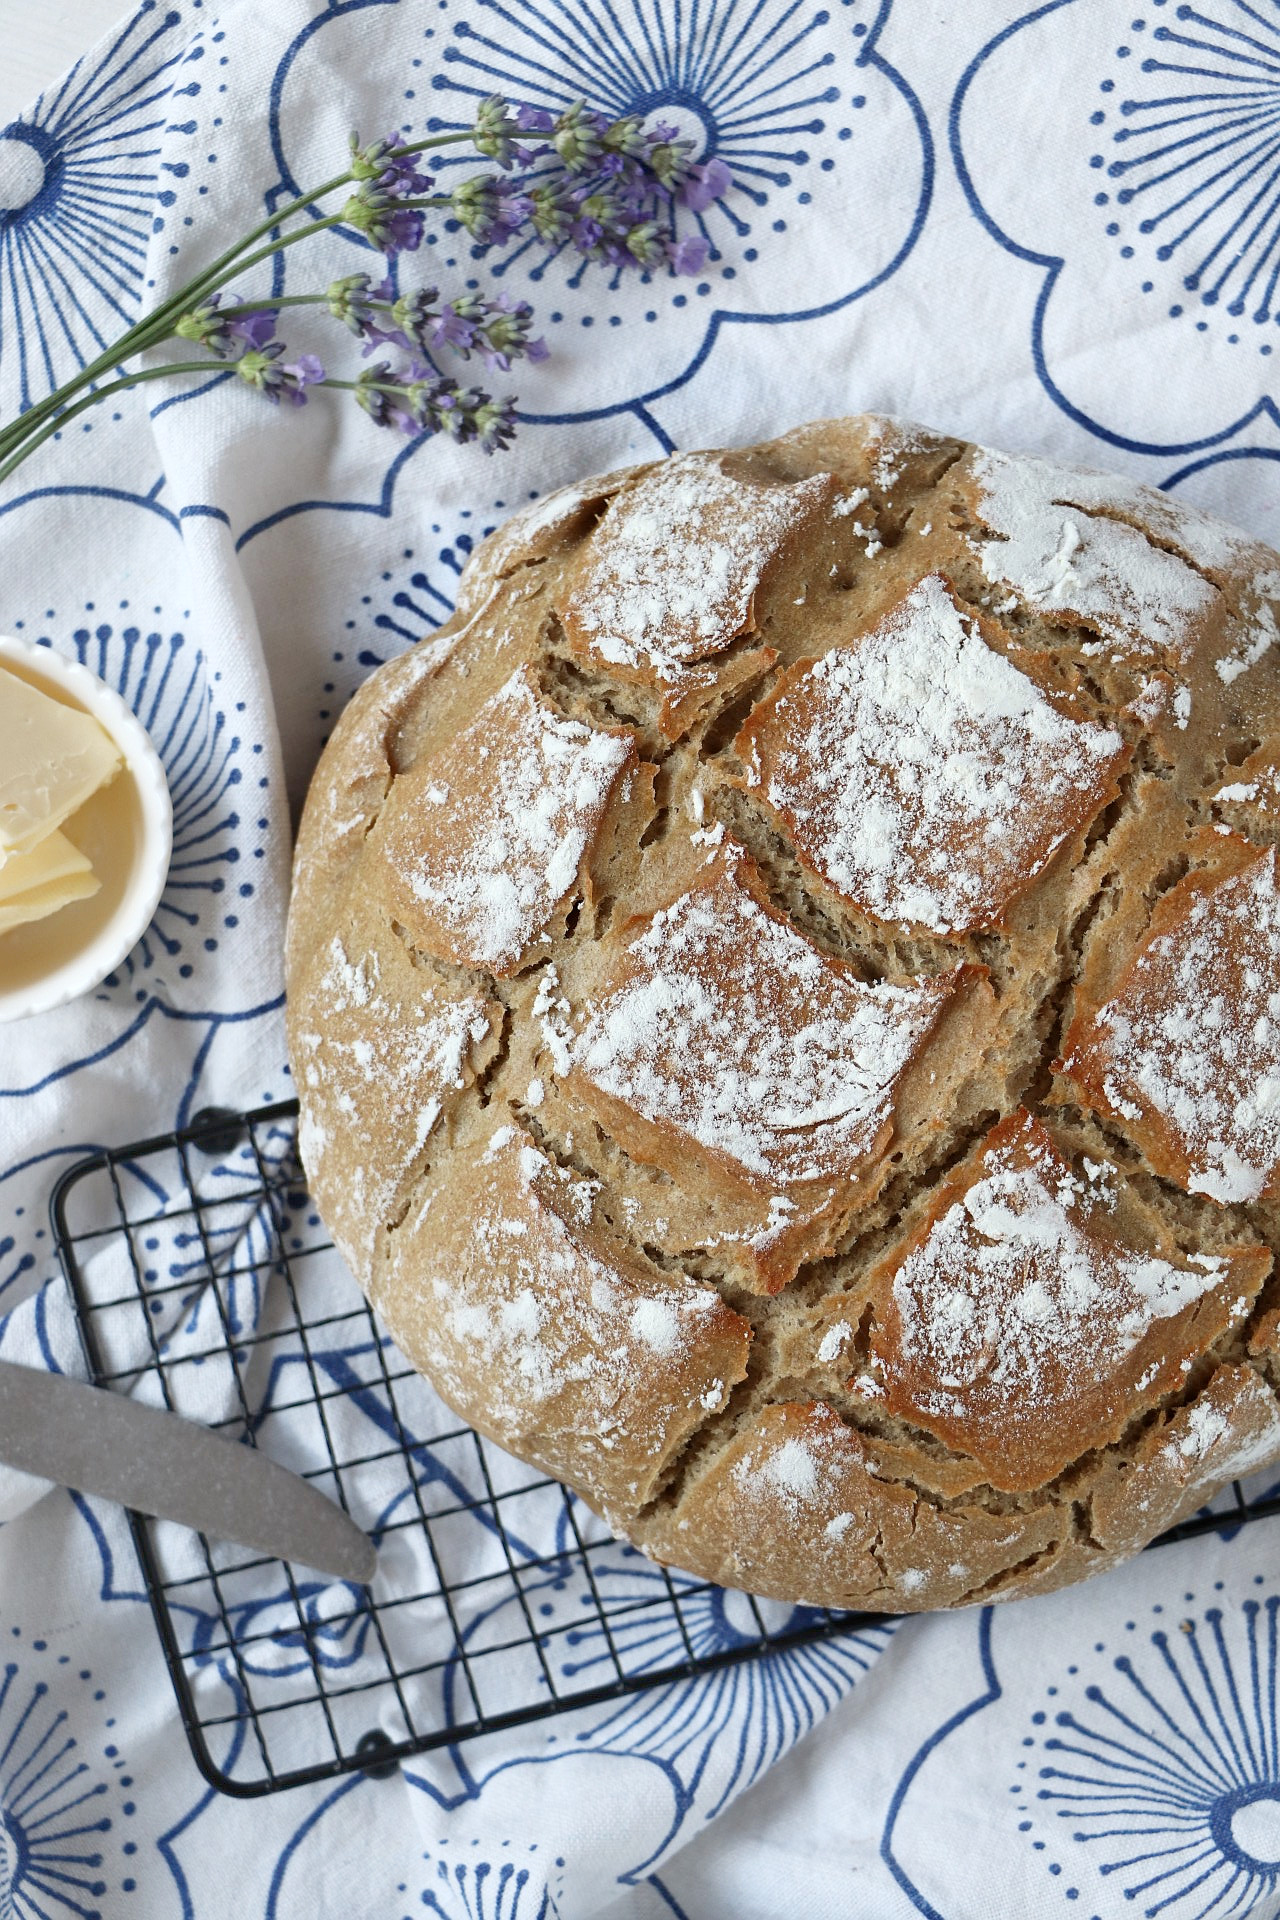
[1054,227]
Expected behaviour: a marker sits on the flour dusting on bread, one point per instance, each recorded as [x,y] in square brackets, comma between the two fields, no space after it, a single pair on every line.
[785,998]
[923,775]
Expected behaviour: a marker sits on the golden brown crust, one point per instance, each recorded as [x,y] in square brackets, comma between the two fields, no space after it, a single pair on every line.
[592,948]
[551,1337]
[1037,1310]
[483,840]
[1186,1048]
[654,614]
[896,837]
[714,992]
[797,1507]
[391,1044]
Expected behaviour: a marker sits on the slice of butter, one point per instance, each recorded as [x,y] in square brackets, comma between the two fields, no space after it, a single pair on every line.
[51,759]
[49,877]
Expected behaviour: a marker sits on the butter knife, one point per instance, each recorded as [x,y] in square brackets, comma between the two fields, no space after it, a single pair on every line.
[158,1463]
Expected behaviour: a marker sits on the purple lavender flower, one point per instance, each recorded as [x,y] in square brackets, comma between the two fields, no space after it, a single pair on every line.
[449,407]
[255,329]
[371,329]
[388,397]
[371,392]
[403,233]
[306,371]
[458,324]
[377,337]
[491,212]
[389,165]
[412,318]
[552,207]
[263,369]
[349,300]
[505,334]
[706,182]
[624,137]
[357,302]
[668,157]
[227,336]
[513,213]
[577,135]
[647,244]
[494,424]
[690,254]
[389,227]
[492,136]
[534,119]
[419,400]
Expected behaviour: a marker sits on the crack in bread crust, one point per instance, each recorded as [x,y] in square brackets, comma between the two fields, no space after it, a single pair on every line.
[1098,890]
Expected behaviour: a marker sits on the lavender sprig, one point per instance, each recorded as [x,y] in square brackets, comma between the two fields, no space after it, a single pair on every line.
[606,188]
[611,197]
[418,400]
[419,321]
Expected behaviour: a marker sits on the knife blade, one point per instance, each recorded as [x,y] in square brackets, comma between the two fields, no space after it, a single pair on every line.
[158,1463]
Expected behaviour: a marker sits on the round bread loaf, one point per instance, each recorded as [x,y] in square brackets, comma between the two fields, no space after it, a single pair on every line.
[784,992]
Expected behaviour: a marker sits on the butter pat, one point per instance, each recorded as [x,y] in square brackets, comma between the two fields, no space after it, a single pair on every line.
[52,758]
[49,877]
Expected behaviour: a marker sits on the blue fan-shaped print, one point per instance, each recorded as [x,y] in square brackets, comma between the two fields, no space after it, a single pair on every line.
[1151,214]
[404,603]
[713,1734]
[86,178]
[1194,154]
[1141,1738]
[735,1724]
[820,134]
[750,83]
[219,824]
[476,1890]
[58,1814]
[1168,1772]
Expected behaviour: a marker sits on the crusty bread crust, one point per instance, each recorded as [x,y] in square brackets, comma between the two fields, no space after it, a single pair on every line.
[784,990]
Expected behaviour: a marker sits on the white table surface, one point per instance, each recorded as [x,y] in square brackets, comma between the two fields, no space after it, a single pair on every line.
[39,39]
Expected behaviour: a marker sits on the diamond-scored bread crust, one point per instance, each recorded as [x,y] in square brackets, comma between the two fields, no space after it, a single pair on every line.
[784,989]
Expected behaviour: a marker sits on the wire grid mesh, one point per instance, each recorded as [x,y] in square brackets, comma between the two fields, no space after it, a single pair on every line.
[205,1282]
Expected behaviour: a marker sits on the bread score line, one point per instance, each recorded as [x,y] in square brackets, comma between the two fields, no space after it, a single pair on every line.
[784,992]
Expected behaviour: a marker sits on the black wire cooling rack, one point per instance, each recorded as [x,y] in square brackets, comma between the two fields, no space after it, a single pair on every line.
[204,1281]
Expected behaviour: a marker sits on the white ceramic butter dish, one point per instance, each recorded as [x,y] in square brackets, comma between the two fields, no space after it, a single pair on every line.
[125,829]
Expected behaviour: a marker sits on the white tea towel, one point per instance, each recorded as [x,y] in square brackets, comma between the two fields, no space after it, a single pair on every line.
[1052,228]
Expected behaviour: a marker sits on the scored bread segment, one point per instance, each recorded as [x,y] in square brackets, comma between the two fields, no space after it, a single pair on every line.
[486,838]
[1039,1309]
[922,775]
[553,1338]
[1119,558]
[650,608]
[796,1487]
[1185,1054]
[723,1035]
[537,531]
[389,1048]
